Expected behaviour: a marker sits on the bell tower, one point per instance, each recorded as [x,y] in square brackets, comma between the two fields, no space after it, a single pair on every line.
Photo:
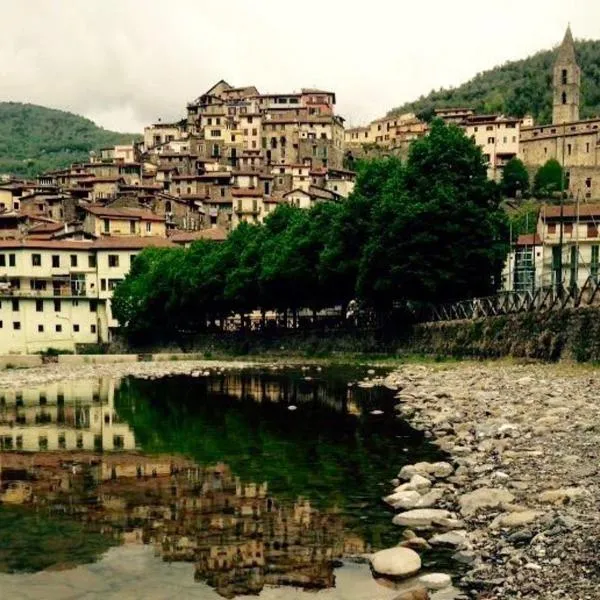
[567,83]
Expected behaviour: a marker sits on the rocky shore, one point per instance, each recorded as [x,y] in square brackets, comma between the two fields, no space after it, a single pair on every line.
[518,500]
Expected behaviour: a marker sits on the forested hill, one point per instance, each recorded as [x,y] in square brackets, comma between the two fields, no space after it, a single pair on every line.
[518,88]
[34,138]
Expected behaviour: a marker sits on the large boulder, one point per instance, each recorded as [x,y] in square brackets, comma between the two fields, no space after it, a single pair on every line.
[515,519]
[405,500]
[484,498]
[396,562]
[436,581]
[420,517]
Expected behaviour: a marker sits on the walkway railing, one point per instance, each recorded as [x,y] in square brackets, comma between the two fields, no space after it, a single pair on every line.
[540,300]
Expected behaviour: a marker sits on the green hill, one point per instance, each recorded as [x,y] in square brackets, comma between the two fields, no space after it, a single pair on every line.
[34,138]
[518,88]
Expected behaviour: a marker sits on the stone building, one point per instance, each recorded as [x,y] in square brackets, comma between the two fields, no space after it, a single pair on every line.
[573,142]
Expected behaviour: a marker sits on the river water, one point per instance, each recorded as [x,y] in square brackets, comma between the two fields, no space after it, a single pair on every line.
[225,485]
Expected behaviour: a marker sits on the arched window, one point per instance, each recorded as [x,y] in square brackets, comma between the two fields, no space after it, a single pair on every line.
[564,97]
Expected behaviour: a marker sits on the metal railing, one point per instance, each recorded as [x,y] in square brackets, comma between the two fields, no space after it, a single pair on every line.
[543,299]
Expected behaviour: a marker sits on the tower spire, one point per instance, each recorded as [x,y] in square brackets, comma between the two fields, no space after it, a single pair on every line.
[566,51]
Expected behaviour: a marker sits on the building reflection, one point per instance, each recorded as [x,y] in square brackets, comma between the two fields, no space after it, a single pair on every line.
[64,450]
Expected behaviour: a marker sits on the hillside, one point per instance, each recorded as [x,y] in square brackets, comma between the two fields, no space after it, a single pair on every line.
[34,138]
[518,88]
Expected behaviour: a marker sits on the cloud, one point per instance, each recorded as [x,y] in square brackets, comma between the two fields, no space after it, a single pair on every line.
[125,63]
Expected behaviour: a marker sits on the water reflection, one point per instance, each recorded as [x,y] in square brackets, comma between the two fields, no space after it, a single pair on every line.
[197,468]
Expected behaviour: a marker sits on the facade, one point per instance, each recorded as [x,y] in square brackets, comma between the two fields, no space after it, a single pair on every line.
[572,142]
[536,260]
[56,294]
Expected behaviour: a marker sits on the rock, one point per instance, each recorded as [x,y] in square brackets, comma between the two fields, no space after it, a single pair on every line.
[449,523]
[429,499]
[418,482]
[483,498]
[515,519]
[441,470]
[421,517]
[561,495]
[396,562]
[416,543]
[451,539]
[464,557]
[416,592]
[407,472]
[404,500]
[436,581]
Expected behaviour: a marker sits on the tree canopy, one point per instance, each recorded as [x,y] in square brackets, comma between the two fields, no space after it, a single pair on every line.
[548,179]
[518,88]
[515,179]
[426,231]
[34,139]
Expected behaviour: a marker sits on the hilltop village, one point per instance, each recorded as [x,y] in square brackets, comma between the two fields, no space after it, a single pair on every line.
[70,236]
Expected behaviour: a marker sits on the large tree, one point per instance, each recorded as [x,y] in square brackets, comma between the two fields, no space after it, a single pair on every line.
[437,231]
[515,179]
[548,179]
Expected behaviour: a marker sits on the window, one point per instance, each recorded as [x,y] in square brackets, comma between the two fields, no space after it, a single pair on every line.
[58,328]
[92,328]
[15,305]
[132,259]
[62,442]
[36,260]
[563,77]
[39,306]
[74,302]
[2,260]
[92,261]
[148,227]
[16,325]
[564,97]
[75,328]
[93,306]
[1,324]
[132,227]
[569,149]
[551,228]
[569,228]
[106,224]
[587,147]
[113,260]
[55,261]
[118,441]
[40,329]
[43,442]
[73,260]
[215,132]
[592,230]
[112,284]
[489,128]
[491,140]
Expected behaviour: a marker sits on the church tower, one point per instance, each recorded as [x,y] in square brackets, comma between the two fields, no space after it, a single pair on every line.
[567,83]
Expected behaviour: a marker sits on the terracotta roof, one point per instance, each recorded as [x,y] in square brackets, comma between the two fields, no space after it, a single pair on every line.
[570,211]
[529,239]
[47,244]
[122,213]
[217,234]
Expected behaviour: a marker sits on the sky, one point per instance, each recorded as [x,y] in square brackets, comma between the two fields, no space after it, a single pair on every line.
[127,63]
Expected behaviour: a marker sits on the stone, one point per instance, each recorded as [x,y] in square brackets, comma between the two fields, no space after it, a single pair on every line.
[406,472]
[464,557]
[416,592]
[436,581]
[451,539]
[416,543]
[396,562]
[429,499]
[515,519]
[405,500]
[483,498]
[421,517]
[441,470]
[561,495]
[418,482]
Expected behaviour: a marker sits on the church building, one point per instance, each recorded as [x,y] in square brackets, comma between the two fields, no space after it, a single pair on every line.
[573,142]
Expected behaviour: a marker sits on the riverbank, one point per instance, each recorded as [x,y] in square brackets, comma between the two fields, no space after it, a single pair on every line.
[525,442]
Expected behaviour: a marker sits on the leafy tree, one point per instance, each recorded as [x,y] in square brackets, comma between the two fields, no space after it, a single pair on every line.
[437,232]
[515,179]
[548,179]
[518,87]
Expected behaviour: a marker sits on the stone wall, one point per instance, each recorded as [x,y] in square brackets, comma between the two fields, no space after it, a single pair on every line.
[572,334]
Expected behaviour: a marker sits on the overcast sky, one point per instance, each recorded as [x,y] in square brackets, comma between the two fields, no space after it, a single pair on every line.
[126,63]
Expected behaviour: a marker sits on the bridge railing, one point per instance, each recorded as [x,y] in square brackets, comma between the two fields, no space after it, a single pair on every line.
[542,299]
